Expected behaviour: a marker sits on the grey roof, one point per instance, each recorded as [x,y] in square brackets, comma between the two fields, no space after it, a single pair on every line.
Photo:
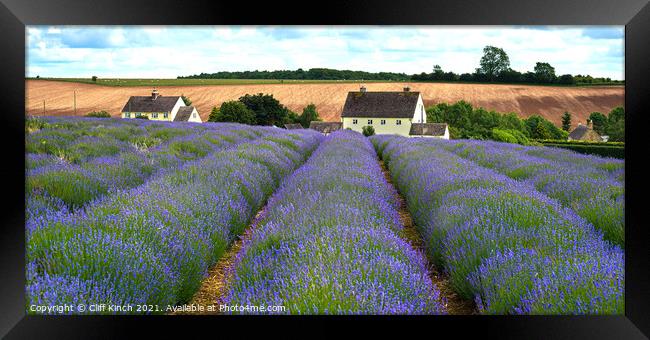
[184,113]
[583,132]
[428,129]
[292,126]
[147,104]
[325,127]
[380,104]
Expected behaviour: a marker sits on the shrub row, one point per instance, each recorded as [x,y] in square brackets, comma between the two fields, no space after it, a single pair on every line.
[592,186]
[153,244]
[511,248]
[329,243]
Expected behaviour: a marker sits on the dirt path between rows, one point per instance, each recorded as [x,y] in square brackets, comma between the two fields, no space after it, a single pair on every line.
[214,287]
[454,303]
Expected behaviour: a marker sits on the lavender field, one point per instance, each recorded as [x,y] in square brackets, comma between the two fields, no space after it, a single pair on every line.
[134,212]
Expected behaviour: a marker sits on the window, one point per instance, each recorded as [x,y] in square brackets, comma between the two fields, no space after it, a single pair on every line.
[398,122]
[137,114]
[383,122]
[193,114]
[354,121]
[369,121]
[127,115]
[154,115]
[165,115]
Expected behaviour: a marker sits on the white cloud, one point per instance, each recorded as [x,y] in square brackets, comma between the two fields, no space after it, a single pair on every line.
[170,51]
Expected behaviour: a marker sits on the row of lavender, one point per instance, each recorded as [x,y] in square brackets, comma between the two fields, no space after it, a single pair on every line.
[329,242]
[592,186]
[502,242]
[147,150]
[152,244]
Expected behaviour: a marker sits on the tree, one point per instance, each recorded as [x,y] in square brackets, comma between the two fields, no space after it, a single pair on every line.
[566,79]
[94,78]
[616,125]
[186,100]
[368,130]
[544,72]
[599,122]
[494,61]
[268,110]
[233,111]
[308,115]
[566,121]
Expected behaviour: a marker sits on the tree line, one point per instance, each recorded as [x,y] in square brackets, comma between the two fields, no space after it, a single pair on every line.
[468,122]
[261,109]
[494,68]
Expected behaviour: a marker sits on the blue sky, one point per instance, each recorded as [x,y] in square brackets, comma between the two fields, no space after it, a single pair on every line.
[170,51]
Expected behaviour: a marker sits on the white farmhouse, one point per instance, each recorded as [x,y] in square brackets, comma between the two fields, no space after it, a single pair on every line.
[401,113]
[160,108]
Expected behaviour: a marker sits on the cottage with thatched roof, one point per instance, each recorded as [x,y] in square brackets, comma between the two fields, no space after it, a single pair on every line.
[585,133]
[389,113]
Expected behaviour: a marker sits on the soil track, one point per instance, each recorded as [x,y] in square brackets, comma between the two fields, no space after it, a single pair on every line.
[453,302]
[549,101]
[214,287]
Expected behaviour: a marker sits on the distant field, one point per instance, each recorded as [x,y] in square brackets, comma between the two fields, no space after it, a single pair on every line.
[194,82]
[549,101]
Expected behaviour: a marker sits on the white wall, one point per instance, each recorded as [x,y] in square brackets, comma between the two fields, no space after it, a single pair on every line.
[174,110]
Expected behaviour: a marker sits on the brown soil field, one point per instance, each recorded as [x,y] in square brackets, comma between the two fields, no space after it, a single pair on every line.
[525,100]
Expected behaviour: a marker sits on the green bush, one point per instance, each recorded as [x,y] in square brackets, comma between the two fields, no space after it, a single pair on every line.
[592,149]
[98,114]
[368,130]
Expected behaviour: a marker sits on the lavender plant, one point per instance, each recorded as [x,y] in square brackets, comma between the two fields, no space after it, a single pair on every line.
[329,243]
[502,242]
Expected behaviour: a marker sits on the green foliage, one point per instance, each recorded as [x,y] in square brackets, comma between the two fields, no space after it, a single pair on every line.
[615,128]
[494,61]
[308,115]
[368,130]
[233,111]
[599,149]
[94,78]
[540,128]
[509,136]
[545,73]
[34,124]
[98,114]
[599,122]
[566,121]
[186,100]
[268,110]
[142,117]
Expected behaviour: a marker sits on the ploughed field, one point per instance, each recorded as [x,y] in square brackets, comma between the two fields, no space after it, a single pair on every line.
[131,212]
[329,97]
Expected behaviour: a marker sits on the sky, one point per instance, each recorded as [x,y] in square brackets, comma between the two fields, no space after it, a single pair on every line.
[171,51]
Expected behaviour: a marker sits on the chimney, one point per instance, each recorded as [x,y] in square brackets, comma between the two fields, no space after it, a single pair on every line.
[363,88]
[407,88]
[154,94]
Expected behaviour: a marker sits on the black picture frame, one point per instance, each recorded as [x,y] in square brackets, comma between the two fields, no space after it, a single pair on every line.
[16,14]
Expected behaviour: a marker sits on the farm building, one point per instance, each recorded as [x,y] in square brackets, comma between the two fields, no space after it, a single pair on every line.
[585,133]
[161,108]
[432,130]
[292,126]
[389,113]
[325,127]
